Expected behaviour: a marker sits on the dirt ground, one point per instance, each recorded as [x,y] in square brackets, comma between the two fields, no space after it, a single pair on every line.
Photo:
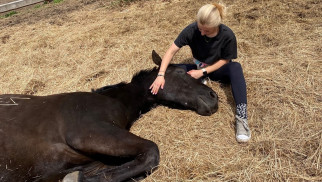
[77,45]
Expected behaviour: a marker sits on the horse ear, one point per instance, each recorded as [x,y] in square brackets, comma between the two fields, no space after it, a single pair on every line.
[156,58]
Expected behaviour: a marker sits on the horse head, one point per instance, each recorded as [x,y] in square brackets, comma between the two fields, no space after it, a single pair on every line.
[182,90]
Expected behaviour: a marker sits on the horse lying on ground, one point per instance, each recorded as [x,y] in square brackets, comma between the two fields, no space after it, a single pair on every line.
[43,138]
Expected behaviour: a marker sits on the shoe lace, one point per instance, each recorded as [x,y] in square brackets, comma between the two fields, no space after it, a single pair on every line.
[244,122]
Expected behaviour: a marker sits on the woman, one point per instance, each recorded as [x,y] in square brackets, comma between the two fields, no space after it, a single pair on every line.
[213,47]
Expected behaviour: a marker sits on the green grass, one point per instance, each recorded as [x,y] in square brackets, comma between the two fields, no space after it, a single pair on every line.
[37,6]
[57,1]
[11,13]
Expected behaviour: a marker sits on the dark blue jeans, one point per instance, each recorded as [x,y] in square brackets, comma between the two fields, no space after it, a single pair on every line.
[230,73]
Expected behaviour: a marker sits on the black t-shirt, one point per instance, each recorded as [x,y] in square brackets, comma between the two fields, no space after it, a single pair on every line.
[209,50]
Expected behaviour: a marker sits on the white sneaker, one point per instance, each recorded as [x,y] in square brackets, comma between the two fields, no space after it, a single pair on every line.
[243,133]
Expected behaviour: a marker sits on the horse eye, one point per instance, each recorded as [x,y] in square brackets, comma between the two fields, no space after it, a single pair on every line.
[180,71]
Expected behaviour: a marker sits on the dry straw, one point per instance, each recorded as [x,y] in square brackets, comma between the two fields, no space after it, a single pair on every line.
[79,45]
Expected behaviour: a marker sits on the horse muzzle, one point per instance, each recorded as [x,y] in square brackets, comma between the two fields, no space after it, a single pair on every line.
[207,105]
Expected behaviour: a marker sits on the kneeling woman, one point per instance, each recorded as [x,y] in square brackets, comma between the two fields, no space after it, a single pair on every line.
[213,47]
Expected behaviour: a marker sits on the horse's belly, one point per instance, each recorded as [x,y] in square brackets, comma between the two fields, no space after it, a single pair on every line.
[40,161]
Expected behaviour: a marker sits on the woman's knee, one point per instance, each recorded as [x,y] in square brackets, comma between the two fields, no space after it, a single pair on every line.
[235,66]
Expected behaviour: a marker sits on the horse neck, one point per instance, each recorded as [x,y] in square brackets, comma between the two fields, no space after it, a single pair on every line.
[135,97]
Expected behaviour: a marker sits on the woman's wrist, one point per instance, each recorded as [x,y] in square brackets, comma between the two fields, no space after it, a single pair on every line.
[161,73]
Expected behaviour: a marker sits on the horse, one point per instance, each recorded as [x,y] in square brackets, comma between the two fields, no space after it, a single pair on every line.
[44,138]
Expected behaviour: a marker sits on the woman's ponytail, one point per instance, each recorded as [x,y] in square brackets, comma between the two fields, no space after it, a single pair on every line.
[221,9]
[211,14]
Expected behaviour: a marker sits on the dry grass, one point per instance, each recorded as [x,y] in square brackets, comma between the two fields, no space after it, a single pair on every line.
[79,45]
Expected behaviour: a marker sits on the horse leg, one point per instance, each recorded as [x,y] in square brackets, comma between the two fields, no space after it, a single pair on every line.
[110,141]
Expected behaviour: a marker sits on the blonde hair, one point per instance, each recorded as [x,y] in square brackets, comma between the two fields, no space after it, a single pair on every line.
[211,14]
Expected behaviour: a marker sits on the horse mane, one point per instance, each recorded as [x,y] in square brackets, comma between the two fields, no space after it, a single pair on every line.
[137,78]
[141,75]
[108,87]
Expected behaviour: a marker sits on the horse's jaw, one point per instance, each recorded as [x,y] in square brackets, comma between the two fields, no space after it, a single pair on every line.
[206,107]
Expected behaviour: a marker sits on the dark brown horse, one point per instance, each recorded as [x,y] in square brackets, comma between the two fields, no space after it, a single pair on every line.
[43,138]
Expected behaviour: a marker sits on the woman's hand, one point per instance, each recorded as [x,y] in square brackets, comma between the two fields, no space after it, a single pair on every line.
[195,73]
[158,82]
